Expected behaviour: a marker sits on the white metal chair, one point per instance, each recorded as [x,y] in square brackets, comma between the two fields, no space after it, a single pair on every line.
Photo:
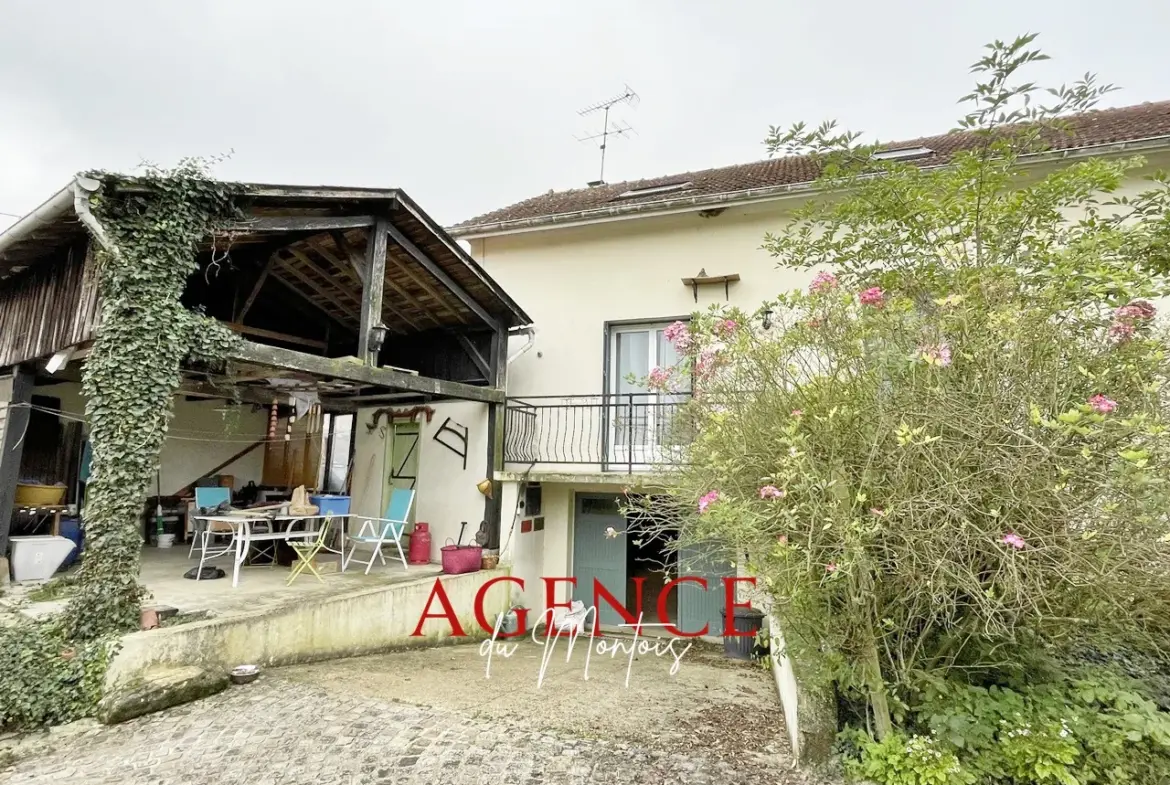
[207,499]
[211,499]
[377,532]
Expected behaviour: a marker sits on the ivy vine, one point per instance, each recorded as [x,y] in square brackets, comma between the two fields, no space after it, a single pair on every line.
[153,224]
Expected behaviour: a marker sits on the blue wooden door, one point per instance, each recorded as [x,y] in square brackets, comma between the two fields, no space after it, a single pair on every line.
[697,606]
[596,556]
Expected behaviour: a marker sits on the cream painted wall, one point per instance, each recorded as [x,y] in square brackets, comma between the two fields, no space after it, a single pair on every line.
[573,280]
[445,493]
[199,438]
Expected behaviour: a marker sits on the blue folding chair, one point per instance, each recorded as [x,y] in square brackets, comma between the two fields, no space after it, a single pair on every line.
[377,532]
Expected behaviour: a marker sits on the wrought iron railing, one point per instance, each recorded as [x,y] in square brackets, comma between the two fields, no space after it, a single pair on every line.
[622,432]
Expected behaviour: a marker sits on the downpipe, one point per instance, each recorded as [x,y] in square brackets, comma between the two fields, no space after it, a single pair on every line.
[530,331]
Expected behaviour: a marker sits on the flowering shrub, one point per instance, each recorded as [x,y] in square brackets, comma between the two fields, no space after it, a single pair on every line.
[943,455]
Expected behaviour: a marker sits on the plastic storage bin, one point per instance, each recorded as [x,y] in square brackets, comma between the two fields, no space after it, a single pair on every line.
[36,558]
[71,528]
[330,505]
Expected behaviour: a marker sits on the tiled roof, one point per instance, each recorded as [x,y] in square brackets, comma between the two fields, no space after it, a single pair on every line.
[1100,127]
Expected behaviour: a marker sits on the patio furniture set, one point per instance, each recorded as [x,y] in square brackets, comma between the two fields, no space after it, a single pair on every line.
[243,533]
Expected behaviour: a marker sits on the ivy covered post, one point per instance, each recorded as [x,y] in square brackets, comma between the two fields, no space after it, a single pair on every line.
[146,230]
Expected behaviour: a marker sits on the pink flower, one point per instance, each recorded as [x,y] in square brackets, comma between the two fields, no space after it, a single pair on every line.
[1102,405]
[822,282]
[1014,540]
[782,539]
[659,379]
[708,498]
[771,492]
[878,511]
[798,413]
[706,362]
[831,567]
[1125,317]
[726,327]
[873,296]
[814,323]
[1121,331]
[1136,309]
[678,334]
[936,354]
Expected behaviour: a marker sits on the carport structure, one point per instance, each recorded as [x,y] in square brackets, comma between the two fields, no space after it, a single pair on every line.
[354,296]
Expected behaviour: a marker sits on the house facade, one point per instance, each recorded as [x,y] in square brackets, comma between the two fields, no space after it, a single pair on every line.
[603,270]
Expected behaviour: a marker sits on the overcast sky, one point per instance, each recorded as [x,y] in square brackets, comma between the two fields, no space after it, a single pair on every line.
[470,105]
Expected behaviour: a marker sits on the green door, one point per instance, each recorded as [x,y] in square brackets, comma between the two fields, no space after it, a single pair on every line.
[698,606]
[402,462]
[596,556]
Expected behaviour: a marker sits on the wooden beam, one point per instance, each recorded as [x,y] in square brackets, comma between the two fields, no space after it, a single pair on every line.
[256,289]
[307,299]
[372,291]
[475,356]
[237,393]
[357,262]
[18,388]
[308,223]
[221,466]
[497,377]
[324,293]
[256,332]
[352,370]
[404,242]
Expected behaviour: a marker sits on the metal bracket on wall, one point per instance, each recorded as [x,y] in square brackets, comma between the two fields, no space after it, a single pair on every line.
[459,437]
[398,414]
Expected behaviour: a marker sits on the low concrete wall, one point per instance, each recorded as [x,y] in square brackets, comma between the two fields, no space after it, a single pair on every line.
[362,621]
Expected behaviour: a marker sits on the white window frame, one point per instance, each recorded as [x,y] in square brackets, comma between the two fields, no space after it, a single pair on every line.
[645,451]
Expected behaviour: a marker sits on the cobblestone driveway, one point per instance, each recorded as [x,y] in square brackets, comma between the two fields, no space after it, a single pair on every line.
[292,726]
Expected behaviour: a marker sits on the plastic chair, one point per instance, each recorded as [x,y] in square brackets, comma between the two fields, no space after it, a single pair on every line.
[211,499]
[306,551]
[379,531]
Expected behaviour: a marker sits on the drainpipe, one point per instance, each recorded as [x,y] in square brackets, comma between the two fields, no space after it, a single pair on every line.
[83,188]
[530,331]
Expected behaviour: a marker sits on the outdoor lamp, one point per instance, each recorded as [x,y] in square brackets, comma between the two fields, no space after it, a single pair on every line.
[767,319]
[378,337]
[484,487]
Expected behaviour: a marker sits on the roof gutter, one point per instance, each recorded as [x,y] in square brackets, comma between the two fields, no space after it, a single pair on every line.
[47,213]
[749,196]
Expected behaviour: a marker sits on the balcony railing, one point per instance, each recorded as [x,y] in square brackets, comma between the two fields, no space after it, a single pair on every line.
[623,432]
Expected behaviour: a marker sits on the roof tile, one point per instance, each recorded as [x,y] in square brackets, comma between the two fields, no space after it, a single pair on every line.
[1104,126]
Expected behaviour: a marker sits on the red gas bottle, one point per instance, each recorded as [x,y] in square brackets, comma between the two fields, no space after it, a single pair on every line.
[420,544]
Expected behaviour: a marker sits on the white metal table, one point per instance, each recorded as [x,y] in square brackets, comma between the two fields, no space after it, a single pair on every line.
[243,537]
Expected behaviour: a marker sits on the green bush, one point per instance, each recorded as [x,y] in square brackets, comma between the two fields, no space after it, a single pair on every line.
[1091,725]
[45,678]
[950,450]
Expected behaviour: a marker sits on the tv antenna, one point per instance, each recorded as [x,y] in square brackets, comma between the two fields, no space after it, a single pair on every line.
[607,128]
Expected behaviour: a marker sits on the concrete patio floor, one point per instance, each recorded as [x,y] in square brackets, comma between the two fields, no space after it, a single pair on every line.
[261,586]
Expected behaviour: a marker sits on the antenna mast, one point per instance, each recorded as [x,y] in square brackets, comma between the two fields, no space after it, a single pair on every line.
[627,97]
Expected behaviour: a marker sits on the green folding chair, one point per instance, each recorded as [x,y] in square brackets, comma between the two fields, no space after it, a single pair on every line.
[306,551]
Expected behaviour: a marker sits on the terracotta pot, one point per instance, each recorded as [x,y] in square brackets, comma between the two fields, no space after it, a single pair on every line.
[149,619]
[489,562]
